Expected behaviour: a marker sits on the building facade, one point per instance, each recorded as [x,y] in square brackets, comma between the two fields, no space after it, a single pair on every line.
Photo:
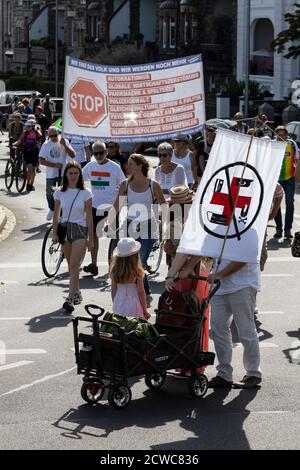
[271,70]
[166,28]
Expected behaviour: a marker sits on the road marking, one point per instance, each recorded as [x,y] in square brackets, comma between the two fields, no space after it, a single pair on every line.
[26,265]
[278,275]
[262,345]
[62,317]
[14,318]
[15,364]
[44,379]
[279,259]
[5,283]
[269,313]
[13,352]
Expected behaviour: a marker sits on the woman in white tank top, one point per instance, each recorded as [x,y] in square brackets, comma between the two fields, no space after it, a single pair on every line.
[183,156]
[141,194]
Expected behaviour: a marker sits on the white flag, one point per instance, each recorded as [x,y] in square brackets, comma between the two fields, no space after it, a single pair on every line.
[225,181]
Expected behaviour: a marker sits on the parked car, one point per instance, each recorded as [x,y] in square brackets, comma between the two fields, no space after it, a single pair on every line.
[223,123]
[6,100]
[293,129]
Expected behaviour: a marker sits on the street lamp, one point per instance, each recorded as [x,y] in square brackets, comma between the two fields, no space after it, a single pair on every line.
[56,47]
[247,56]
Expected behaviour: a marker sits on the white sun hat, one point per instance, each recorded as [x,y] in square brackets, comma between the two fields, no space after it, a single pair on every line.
[127,247]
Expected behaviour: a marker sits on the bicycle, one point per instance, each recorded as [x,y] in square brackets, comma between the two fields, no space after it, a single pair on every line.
[155,256]
[52,255]
[16,169]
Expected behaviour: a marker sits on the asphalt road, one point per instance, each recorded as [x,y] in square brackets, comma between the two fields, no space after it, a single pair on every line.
[40,402]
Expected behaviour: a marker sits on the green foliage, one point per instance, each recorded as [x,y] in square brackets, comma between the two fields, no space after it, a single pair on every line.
[217,30]
[292,33]
[234,89]
[119,54]
[25,82]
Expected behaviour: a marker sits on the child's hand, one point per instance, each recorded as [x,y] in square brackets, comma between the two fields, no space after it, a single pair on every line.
[147,315]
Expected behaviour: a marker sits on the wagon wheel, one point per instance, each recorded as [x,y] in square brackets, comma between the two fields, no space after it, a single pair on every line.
[119,396]
[198,385]
[155,381]
[92,392]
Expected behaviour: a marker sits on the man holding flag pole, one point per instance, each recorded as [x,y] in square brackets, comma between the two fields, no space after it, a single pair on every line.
[227,222]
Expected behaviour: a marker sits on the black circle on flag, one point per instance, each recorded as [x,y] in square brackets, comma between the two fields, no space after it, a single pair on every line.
[222,191]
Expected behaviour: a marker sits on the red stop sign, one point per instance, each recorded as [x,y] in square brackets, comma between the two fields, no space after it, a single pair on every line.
[87,103]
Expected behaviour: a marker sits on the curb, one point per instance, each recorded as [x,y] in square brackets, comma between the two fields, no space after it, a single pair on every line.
[3,218]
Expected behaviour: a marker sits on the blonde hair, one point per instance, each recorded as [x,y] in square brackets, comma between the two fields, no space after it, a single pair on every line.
[125,270]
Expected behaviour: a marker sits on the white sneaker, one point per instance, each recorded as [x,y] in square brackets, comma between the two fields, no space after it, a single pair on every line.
[50,215]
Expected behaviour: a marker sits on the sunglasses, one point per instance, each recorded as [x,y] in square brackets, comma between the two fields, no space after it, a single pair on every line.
[164,154]
[53,135]
[99,153]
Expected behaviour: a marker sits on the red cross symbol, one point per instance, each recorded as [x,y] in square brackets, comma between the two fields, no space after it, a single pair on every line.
[222,199]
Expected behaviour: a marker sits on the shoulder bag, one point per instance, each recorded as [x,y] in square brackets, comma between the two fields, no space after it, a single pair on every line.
[62,228]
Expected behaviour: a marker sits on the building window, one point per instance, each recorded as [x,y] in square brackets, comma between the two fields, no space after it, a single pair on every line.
[168,32]
[8,18]
[95,26]
[71,32]
[172,33]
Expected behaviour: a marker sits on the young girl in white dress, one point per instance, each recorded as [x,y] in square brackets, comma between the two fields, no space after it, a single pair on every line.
[127,287]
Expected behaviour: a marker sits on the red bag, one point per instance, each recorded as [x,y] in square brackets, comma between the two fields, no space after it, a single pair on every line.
[177,302]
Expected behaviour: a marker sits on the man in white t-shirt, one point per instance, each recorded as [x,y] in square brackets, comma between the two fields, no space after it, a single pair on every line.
[82,150]
[236,299]
[53,155]
[105,177]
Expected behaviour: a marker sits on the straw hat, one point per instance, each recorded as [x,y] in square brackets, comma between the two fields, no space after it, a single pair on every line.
[180,194]
[127,247]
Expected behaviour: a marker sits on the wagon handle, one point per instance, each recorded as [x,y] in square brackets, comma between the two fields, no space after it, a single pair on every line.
[95,307]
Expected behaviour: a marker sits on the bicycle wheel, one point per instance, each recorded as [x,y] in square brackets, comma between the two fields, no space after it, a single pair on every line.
[9,173]
[21,174]
[52,255]
[155,257]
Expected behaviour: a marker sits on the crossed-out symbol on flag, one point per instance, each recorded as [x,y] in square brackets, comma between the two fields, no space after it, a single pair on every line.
[228,200]
[232,198]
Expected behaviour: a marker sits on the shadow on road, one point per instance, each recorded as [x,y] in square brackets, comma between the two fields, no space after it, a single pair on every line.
[171,404]
[38,232]
[293,353]
[42,323]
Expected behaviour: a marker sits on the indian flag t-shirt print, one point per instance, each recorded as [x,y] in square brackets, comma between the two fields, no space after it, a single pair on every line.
[100,179]
[105,180]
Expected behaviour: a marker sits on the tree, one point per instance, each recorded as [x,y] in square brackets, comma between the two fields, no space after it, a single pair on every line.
[289,35]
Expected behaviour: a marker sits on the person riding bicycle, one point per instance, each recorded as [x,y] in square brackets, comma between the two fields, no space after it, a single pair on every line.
[29,140]
[141,193]
[15,129]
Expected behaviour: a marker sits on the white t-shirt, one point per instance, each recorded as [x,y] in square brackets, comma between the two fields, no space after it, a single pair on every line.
[168,180]
[248,276]
[105,181]
[79,144]
[66,198]
[53,152]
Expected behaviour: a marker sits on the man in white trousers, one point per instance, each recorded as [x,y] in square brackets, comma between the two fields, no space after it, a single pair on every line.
[236,299]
